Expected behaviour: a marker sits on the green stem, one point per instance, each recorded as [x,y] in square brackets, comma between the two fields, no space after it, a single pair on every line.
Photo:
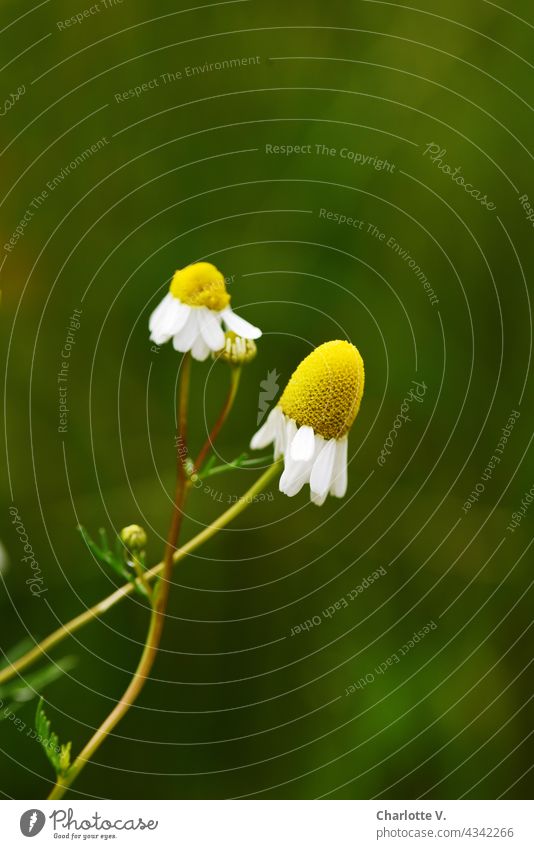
[221,522]
[216,429]
[103,606]
[140,574]
[98,610]
[159,603]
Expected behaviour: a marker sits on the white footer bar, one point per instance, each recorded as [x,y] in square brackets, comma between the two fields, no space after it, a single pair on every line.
[270,824]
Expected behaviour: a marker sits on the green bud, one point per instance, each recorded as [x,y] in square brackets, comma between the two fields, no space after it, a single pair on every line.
[237,351]
[134,537]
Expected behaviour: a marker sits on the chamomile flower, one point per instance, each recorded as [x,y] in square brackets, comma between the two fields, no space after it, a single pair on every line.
[310,424]
[192,312]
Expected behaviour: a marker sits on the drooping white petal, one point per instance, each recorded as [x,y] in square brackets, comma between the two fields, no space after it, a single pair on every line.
[280,442]
[290,434]
[185,339]
[303,444]
[239,325]
[200,350]
[294,476]
[340,475]
[266,433]
[210,327]
[323,469]
[318,500]
[297,472]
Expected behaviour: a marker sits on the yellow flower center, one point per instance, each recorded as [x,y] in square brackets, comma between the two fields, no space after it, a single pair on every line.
[200,285]
[326,390]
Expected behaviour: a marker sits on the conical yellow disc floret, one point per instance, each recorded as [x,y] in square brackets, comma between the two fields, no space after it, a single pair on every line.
[200,285]
[326,390]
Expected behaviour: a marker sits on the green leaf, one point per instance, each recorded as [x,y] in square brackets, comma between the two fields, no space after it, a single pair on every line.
[116,560]
[104,554]
[103,539]
[209,466]
[20,691]
[58,755]
[15,652]
[64,758]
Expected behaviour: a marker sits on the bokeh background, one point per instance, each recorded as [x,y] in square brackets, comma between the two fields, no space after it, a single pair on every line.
[237,707]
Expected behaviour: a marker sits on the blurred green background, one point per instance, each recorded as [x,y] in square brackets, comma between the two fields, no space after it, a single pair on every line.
[236,706]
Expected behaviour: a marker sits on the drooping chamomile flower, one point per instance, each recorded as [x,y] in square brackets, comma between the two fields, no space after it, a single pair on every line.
[193,310]
[310,424]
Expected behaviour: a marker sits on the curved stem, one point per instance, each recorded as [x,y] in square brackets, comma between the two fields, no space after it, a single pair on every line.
[102,607]
[159,603]
[221,522]
[216,429]
[97,610]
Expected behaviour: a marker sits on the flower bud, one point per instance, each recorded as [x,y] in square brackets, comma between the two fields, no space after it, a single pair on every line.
[237,351]
[134,537]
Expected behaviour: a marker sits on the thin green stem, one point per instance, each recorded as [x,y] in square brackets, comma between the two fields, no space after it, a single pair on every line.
[221,522]
[159,603]
[216,429]
[98,610]
[140,574]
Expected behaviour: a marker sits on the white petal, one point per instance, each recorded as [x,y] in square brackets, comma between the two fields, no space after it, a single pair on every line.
[290,433]
[170,322]
[210,327]
[340,476]
[280,442]
[200,350]
[160,311]
[294,477]
[185,339]
[239,325]
[303,444]
[318,500]
[175,317]
[323,469]
[266,434]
